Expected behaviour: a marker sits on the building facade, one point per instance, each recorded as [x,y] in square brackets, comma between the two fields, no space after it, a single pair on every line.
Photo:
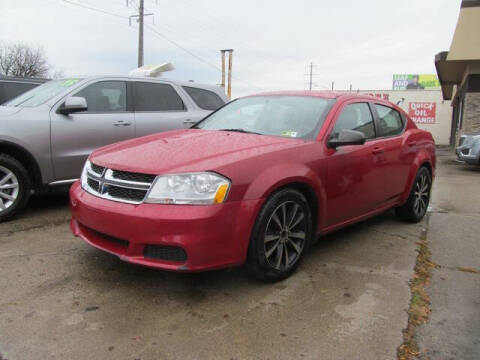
[459,71]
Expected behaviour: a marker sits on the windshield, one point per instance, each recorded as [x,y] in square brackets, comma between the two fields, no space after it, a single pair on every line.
[42,93]
[287,116]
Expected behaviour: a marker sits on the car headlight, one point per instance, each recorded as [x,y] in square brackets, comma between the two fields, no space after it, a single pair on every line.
[192,188]
[83,177]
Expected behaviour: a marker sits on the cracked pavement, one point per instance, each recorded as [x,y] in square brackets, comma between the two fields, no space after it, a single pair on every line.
[62,299]
[453,329]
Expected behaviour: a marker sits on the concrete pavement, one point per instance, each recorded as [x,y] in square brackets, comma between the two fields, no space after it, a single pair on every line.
[61,299]
[453,331]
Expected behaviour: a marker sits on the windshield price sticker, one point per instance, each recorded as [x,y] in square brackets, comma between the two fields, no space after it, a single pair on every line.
[69,82]
[289,133]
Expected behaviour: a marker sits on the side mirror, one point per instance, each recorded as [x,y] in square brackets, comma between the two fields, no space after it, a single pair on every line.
[347,137]
[73,104]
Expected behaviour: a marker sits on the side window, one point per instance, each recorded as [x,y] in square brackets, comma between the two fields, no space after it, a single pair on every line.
[389,121]
[156,97]
[204,99]
[355,117]
[105,96]
[10,90]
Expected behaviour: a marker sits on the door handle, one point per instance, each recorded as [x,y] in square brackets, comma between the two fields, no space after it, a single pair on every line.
[122,123]
[189,121]
[377,150]
[412,143]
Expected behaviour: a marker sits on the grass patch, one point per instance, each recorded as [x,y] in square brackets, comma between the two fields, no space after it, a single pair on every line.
[419,309]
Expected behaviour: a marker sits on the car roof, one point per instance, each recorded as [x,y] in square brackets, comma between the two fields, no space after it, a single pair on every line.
[325,95]
[314,93]
[331,95]
[139,78]
[322,94]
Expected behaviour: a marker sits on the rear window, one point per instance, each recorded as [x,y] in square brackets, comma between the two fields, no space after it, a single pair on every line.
[9,90]
[204,99]
[156,97]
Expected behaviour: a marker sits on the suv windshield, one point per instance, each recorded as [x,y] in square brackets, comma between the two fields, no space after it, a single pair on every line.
[287,116]
[42,93]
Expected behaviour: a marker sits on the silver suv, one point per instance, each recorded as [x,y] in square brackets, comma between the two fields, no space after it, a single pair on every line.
[468,150]
[47,133]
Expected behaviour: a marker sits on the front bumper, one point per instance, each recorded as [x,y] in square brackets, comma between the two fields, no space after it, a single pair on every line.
[466,155]
[211,236]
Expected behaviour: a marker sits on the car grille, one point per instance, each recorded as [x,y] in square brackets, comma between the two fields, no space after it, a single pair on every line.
[130,176]
[118,185]
[95,185]
[169,253]
[97,169]
[112,239]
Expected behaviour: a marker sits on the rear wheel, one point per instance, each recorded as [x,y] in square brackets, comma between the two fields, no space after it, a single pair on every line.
[14,187]
[417,204]
[280,236]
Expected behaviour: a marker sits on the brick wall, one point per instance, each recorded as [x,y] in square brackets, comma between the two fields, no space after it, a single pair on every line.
[471,113]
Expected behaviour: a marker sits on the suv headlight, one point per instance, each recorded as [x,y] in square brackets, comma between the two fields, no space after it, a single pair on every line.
[192,188]
[83,178]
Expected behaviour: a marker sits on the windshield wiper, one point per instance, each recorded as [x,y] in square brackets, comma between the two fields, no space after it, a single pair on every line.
[241,131]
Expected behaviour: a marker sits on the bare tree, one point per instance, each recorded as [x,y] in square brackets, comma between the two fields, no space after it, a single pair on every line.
[23,60]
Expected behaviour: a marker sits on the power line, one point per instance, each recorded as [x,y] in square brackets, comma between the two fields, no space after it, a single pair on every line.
[95,9]
[153,30]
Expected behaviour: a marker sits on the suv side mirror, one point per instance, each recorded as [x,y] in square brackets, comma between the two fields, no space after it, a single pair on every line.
[347,137]
[73,104]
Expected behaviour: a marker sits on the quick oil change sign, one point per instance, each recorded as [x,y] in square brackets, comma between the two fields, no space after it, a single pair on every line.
[422,112]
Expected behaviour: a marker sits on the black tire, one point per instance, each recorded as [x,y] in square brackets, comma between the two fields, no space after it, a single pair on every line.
[276,251]
[22,192]
[417,204]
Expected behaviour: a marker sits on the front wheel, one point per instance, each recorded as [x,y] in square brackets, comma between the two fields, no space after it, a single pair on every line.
[281,234]
[417,204]
[14,187]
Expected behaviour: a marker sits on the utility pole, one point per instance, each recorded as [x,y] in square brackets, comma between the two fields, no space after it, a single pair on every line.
[230,60]
[140,16]
[140,34]
[333,84]
[223,68]
[311,76]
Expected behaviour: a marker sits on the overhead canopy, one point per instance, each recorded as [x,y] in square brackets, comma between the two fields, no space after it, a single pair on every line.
[464,55]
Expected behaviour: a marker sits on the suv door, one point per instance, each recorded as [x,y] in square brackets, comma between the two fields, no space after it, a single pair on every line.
[106,121]
[159,107]
[396,156]
[354,182]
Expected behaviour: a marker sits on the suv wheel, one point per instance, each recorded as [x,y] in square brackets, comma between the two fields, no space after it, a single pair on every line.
[417,204]
[14,187]
[280,236]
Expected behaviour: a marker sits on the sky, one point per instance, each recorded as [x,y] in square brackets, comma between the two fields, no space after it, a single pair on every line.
[349,42]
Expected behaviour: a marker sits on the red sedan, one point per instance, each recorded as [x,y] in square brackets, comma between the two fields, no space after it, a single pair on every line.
[254,182]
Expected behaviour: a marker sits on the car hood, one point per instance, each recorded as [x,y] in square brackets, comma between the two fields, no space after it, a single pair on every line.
[9,110]
[187,150]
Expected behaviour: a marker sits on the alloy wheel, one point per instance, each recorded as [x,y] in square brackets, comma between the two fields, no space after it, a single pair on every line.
[9,188]
[285,235]
[421,195]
